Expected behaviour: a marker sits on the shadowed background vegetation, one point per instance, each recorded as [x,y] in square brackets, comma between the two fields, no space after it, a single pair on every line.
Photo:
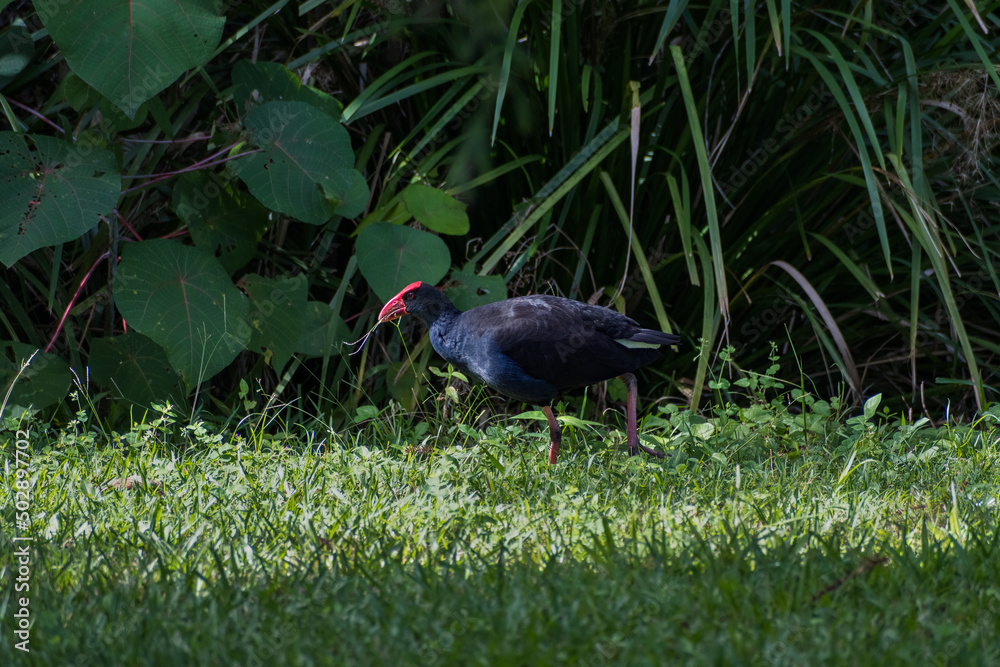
[821,175]
[806,192]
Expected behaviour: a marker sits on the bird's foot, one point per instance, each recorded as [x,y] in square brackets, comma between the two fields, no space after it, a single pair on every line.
[635,448]
[553,451]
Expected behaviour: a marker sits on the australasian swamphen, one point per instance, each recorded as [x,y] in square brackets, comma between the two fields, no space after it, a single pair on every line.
[532,348]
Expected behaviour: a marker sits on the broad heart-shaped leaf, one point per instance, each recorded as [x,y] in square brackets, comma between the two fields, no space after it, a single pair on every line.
[436,210]
[357,197]
[392,256]
[323,331]
[264,81]
[129,50]
[135,369]
[474,290]
[277,316]
[184,300]
[44,382]
[52,194]
[223,220]
[305,164]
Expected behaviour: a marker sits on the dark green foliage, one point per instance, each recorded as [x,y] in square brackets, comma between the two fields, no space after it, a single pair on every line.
[820,175]
[52,192]
[135,370]
[182,299]
[41,384]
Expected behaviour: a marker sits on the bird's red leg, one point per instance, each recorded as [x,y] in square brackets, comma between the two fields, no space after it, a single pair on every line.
[631,423]
[555,434]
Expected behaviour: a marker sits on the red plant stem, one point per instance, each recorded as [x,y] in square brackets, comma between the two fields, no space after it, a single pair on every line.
[156,178]
[125,222]
[192,167]
[35,114]
[72,301]
[357,315]
[186,140]
[183,231]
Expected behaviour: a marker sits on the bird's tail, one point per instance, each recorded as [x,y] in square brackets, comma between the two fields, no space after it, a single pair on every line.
[654,337]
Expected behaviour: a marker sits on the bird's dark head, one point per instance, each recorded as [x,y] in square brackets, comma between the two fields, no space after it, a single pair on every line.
[425,301]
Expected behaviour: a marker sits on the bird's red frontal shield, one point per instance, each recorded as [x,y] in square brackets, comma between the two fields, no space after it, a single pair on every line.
[396,308]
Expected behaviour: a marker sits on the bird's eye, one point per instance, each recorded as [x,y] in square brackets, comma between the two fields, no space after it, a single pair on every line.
[408,295]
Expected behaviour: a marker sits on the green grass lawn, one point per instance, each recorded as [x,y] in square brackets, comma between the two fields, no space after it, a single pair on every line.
[765,537]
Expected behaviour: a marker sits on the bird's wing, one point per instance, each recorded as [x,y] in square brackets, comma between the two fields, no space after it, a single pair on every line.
[566,343]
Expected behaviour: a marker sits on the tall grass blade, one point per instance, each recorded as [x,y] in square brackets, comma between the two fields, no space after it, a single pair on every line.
[431,133]
[13,381]
[921,223]
[636,118]
[847,76]
[349,40]
[508,56]
[850,368]
[710,318]
[565,180]
[974,39]
[582,264]
[859,140]
[750,38]
[772,15]
[916,120]
[786,30]
[674,11]
[239,34]
[493,174]
[915,276]
[640,255]
[555,53]
[374,104]
[863,279]
[708,188]
[386,80]
[682,211]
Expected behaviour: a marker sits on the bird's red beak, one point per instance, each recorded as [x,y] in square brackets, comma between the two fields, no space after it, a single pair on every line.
[396,308]
[392,311]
